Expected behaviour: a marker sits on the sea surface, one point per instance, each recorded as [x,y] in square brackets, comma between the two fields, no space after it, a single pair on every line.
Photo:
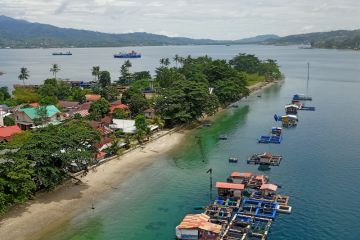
[320,170]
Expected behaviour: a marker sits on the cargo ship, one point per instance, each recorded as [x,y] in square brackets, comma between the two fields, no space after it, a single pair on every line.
[62,53]
[131,54]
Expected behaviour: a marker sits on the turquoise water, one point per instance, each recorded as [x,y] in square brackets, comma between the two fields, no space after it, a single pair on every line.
[320,170]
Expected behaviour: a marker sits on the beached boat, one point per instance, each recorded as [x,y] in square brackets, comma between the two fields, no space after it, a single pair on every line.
[223,137]
[68,53]
[131,54]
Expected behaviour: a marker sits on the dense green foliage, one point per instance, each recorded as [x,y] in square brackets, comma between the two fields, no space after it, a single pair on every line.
[142,128]
[99,109]
[119,114]
[41,159]
[104,79]
[9,121]
[135,100]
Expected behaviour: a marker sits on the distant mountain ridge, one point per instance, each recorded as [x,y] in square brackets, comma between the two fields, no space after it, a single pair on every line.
[340,39]
[16,33]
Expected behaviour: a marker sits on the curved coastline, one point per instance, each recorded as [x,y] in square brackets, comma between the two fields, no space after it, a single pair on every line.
[59,206]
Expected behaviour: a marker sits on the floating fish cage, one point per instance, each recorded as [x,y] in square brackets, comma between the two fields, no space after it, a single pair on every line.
[270,139]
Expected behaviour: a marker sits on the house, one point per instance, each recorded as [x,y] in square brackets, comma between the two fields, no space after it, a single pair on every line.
[128,126]
[149,113]
[118,106]
[197,227]
[225,189]
[68,105]
[92,97]
[268,189]
[7,132]
[243,178]
[4,111]
[102,127]
[149,93]
[25,117]
[82,109]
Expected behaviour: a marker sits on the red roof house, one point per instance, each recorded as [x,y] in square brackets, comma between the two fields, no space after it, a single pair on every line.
[7,132]
[92,97]
[118,106]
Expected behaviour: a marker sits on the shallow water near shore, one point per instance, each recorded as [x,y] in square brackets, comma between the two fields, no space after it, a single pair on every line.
[320,170]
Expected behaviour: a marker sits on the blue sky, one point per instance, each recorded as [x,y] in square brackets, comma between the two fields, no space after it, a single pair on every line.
[216,19]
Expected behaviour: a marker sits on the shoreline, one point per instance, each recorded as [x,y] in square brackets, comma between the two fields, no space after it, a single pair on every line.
[58,206]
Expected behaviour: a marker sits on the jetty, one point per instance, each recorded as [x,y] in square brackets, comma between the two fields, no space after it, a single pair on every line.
[245,208]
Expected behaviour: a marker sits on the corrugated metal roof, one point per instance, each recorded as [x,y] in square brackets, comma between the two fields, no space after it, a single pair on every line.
[199,221]
[225,185]
[51,110]
[269,186]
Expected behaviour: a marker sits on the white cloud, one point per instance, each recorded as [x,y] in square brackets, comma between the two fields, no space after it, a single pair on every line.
[227,19]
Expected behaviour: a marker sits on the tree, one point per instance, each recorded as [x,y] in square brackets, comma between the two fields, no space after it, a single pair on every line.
[120,114]
[54,149]
[168,76]
[99,109]
[165,62]
[78,94]
[4,93]
[55,69]
[135,100]
[16,183]
[104,79]
[95,72]
[143,75]
[110,93]
[24,74]
[125,76]
[25,95]
[142,128]
[42,115]
[177,59]
[9,121]
[246,62]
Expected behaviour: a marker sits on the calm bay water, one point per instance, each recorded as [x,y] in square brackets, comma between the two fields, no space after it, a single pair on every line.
[320,170]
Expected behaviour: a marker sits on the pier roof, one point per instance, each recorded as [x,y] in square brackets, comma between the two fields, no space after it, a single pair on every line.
[225,185]
[269,186]
[244,174]
[199,221]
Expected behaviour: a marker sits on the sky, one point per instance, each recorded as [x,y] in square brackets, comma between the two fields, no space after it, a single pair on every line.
[215,19]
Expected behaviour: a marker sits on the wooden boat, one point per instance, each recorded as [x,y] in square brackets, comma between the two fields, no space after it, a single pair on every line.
[233,159]
[223,137]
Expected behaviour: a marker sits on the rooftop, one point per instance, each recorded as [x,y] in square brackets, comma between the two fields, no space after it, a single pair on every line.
[225,185]
[92,97]
[199,221]
[243,175]
[269,186]
[6,132]
[51,110]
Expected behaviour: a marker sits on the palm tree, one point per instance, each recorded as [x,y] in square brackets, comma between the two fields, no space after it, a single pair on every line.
[177,59]
[24,74]
[167,62]
[96,72]
[162,61]
[54,69]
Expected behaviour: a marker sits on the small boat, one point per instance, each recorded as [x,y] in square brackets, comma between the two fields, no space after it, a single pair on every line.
[277,131]
[223,137]
[283,209]
[291,109]
[131,54]
[68,53]
[1,73]
[301,97]
[233,159]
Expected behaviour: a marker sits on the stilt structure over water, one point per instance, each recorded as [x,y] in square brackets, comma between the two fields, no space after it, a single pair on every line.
[245,208]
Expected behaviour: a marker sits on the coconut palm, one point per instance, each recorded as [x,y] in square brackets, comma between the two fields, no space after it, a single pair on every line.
[167,62]
[24,74]
[96,72]
[177,59]
[162,61]
[55,69]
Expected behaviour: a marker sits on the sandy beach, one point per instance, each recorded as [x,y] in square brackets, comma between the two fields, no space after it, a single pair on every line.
[34,218]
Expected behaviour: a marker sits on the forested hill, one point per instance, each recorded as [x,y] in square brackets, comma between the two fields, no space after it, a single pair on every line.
[22,34]
[341,39]
[16,33]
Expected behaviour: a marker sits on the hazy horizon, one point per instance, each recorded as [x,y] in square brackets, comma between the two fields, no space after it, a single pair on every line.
[228,20]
